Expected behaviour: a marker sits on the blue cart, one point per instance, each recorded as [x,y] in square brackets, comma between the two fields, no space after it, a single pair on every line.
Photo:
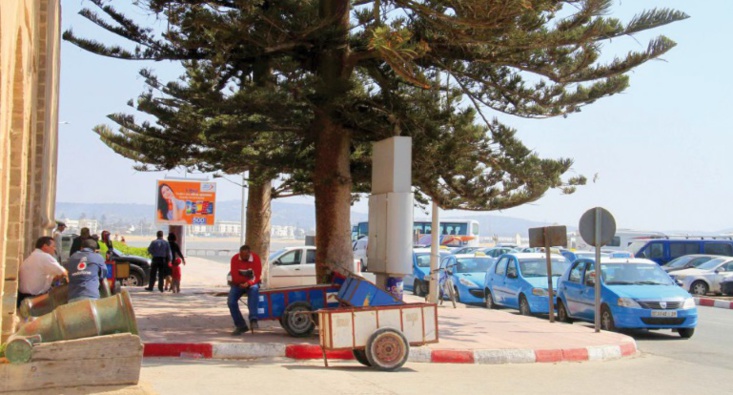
[293,307]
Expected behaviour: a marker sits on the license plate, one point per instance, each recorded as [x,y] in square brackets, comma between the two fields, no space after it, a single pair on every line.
[663,313]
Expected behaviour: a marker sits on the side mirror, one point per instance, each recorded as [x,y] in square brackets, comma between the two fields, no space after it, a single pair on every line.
[277,262]
[720,270]
[511,275]
[590,281]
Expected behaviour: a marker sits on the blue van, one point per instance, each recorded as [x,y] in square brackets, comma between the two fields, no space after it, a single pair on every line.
[662,251]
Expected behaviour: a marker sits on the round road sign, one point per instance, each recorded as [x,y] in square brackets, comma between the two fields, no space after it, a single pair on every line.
[587,226]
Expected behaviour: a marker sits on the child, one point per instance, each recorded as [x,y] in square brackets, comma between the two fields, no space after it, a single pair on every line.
[176,275]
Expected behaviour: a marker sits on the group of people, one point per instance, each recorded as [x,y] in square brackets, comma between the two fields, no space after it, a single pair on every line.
[166,265]
[84,271]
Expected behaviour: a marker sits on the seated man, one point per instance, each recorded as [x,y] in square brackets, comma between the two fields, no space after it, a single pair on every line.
[38,272]
[246,271]
[86,269]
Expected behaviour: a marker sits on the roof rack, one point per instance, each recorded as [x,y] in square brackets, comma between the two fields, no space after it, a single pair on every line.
[693,237]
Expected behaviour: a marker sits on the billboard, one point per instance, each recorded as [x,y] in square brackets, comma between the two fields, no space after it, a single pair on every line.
[184,202]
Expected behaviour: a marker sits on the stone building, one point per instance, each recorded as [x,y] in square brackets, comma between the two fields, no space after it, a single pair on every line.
[29,85]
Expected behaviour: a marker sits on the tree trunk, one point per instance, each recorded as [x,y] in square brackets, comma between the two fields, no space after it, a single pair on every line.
[259,212]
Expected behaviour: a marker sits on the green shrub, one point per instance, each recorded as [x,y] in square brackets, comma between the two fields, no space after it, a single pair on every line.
[125,249]
[2,350]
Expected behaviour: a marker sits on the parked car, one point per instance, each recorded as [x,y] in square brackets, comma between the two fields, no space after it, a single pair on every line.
[464,250]
[468,272]
[139,268]
[635,293]
[706,277]
[572,256]
[687,262]
[419,281]
[726,287]
[361,247]
[496,252]
[519,281]
[292,266]
[662,251]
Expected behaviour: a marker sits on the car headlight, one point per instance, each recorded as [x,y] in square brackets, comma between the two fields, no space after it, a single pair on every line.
[689,303]
[628,302]
[539,292]
[467,282]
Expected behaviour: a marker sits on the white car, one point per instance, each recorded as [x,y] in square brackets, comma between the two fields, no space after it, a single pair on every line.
[292,267]
[706,277]
[360,252]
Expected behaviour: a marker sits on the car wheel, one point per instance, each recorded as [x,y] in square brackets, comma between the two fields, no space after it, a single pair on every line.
[363,266]
[489,300]
[524,306]
[135,279]
[562,313]
[699,288]
[686,333]
[607,323]
[417,288]
[424,288]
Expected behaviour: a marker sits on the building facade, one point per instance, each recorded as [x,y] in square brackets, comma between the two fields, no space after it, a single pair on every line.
[29,84]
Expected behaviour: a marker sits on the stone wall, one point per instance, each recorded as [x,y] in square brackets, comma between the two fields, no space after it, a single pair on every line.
[29,71]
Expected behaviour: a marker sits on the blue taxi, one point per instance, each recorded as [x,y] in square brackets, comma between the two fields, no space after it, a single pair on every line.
[419,281]
[519,280]
[468,272]
[635,293]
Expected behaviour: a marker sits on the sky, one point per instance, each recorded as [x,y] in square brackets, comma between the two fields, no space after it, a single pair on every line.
[659,152]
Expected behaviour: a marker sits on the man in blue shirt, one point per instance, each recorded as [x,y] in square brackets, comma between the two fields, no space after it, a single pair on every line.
[160,250]
[86,269]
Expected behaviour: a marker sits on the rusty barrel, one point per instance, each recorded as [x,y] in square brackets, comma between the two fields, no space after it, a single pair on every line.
[81,319]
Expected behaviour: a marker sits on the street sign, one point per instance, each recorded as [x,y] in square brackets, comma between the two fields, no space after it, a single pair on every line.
[588,228]
[597,227]
[547,237]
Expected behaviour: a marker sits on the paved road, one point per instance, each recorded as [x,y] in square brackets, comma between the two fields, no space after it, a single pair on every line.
[710,346]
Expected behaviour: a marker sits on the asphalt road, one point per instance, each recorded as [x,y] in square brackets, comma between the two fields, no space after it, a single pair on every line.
[710,346]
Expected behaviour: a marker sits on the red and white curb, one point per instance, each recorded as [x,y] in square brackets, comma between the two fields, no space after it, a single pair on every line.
[417,354]
[723,304]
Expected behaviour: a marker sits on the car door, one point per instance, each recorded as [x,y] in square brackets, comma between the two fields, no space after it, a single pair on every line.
[572,289]
[308,272]
[725,271]
[587,296]
[512,283]
[495,280]
[285,270]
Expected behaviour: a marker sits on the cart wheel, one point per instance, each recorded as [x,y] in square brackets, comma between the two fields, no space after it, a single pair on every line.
[297,319]
[360,355]
[387,349]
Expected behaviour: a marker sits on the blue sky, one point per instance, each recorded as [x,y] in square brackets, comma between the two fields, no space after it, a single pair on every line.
[660,149]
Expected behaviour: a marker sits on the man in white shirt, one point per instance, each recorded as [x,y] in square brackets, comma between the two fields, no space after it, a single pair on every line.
[39,270]
[60,227]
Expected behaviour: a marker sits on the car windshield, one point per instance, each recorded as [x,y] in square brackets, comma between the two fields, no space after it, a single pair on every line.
[538,267]
[634,274]
[712,264]
[679,262]
[423,258]
[473,265]
[276,253]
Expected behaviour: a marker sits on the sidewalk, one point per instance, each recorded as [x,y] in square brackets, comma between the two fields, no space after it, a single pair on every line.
[196,324]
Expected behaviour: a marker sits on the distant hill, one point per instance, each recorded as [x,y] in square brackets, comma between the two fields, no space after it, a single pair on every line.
[294,214]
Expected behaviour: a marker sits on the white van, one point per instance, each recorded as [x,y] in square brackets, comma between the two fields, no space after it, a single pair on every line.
[360,252]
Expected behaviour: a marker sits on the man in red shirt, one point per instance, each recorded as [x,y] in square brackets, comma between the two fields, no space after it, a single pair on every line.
[246,269]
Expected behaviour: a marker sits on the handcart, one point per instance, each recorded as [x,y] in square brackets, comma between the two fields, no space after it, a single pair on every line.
[379,336]
[377,327]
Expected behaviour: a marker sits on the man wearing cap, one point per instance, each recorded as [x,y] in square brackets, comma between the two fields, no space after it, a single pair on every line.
[39,270]
[86,270]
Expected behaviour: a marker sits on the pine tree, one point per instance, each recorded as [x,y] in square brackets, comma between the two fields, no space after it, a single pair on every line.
[358,72]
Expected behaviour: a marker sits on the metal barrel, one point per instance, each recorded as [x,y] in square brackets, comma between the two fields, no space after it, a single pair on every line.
[77,320]
[57,296]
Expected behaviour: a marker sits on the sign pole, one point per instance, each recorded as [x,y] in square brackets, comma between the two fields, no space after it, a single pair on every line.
[433,293]
[550,299]
[598,244]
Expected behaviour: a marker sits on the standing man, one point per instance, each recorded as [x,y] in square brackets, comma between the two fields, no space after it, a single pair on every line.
[38,272]
[246,269]
[60,227]
[160,250]
[86,270]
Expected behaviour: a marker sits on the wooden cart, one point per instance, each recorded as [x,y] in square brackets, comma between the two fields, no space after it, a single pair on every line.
[379,336]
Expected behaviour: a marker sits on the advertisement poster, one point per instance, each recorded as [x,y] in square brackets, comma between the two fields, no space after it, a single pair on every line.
[182,202]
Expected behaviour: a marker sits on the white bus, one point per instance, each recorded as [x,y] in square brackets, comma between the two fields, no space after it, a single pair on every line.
[456,232]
